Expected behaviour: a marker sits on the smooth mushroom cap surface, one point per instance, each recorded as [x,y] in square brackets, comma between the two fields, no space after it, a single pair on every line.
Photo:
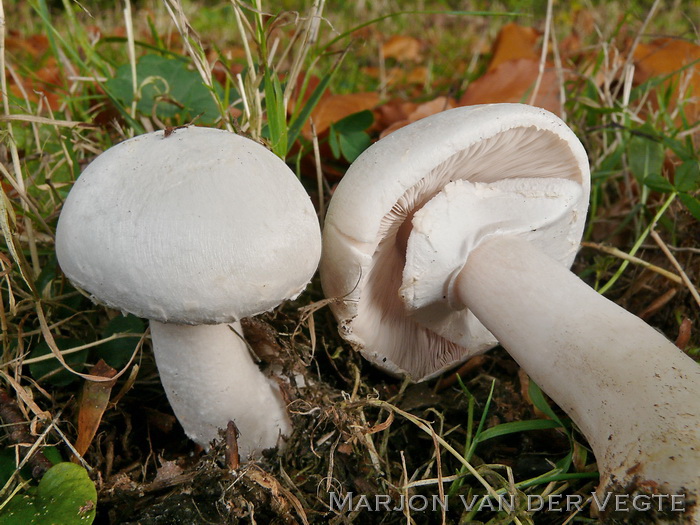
[197,227]
[369,222]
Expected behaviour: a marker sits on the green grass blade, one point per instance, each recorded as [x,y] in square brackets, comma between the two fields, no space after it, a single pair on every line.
[515,427]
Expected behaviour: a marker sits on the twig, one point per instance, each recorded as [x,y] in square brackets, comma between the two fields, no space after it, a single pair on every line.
[319,174]
[674,262]
[637,244]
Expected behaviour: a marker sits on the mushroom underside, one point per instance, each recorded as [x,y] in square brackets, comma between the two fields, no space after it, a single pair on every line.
[381,328]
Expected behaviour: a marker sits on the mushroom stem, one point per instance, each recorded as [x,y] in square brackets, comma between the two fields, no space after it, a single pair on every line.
[631,392]
[211,379]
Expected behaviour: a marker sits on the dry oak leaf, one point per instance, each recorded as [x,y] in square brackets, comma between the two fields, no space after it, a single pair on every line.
[402,48]
[514,81]
[336,107]
[398,75]
[512,43]
[678,58]
[426,109]
[34,45]
[391,112]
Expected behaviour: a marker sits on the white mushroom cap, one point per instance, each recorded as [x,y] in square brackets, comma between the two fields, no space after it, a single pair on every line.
[369,222]
[197,227]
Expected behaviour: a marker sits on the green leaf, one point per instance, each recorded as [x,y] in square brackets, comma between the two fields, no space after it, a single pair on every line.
[50,369]
[165,86]
[354,123]
[687,176]
[334,141]
[692,203]
[658,183]
[352,144]
[645,156]
[116,353]
[8,462]
[65,495]
[348,137]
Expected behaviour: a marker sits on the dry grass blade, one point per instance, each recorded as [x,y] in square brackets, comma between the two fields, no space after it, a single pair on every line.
[684,277]
[428,429]
[45,120]
[634,260]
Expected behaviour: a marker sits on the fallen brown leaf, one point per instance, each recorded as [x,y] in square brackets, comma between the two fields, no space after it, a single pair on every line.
[513,81]
[421,111]
[337,107]
[677,58]
[93,402]
[512,43]
[402,48]
[34,45]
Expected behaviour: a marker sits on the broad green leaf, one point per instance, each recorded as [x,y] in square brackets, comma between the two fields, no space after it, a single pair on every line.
[645,156]
[692,203]
[116,353]
[51,370]
[687,176]
[658,183]
[165,87]
[8,462]
[334,141]
[65,496]
[359,121]
[348,137]
[352,144]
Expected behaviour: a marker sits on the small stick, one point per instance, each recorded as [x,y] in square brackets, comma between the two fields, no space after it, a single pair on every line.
[319,174]
[233,458]
[676,264]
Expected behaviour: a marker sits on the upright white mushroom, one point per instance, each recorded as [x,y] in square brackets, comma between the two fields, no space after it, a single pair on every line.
[195,231]
[473,216]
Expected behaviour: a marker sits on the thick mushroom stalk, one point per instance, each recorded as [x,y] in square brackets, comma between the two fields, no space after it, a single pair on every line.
[190,363]
[631,392]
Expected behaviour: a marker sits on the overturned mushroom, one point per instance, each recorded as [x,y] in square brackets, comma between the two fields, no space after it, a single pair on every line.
[369,222]
[472,216]
[195,230]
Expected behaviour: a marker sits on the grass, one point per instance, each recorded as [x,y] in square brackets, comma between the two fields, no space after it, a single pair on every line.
[495,433]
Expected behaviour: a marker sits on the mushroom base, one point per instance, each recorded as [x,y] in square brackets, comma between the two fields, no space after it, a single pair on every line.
[210,379]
